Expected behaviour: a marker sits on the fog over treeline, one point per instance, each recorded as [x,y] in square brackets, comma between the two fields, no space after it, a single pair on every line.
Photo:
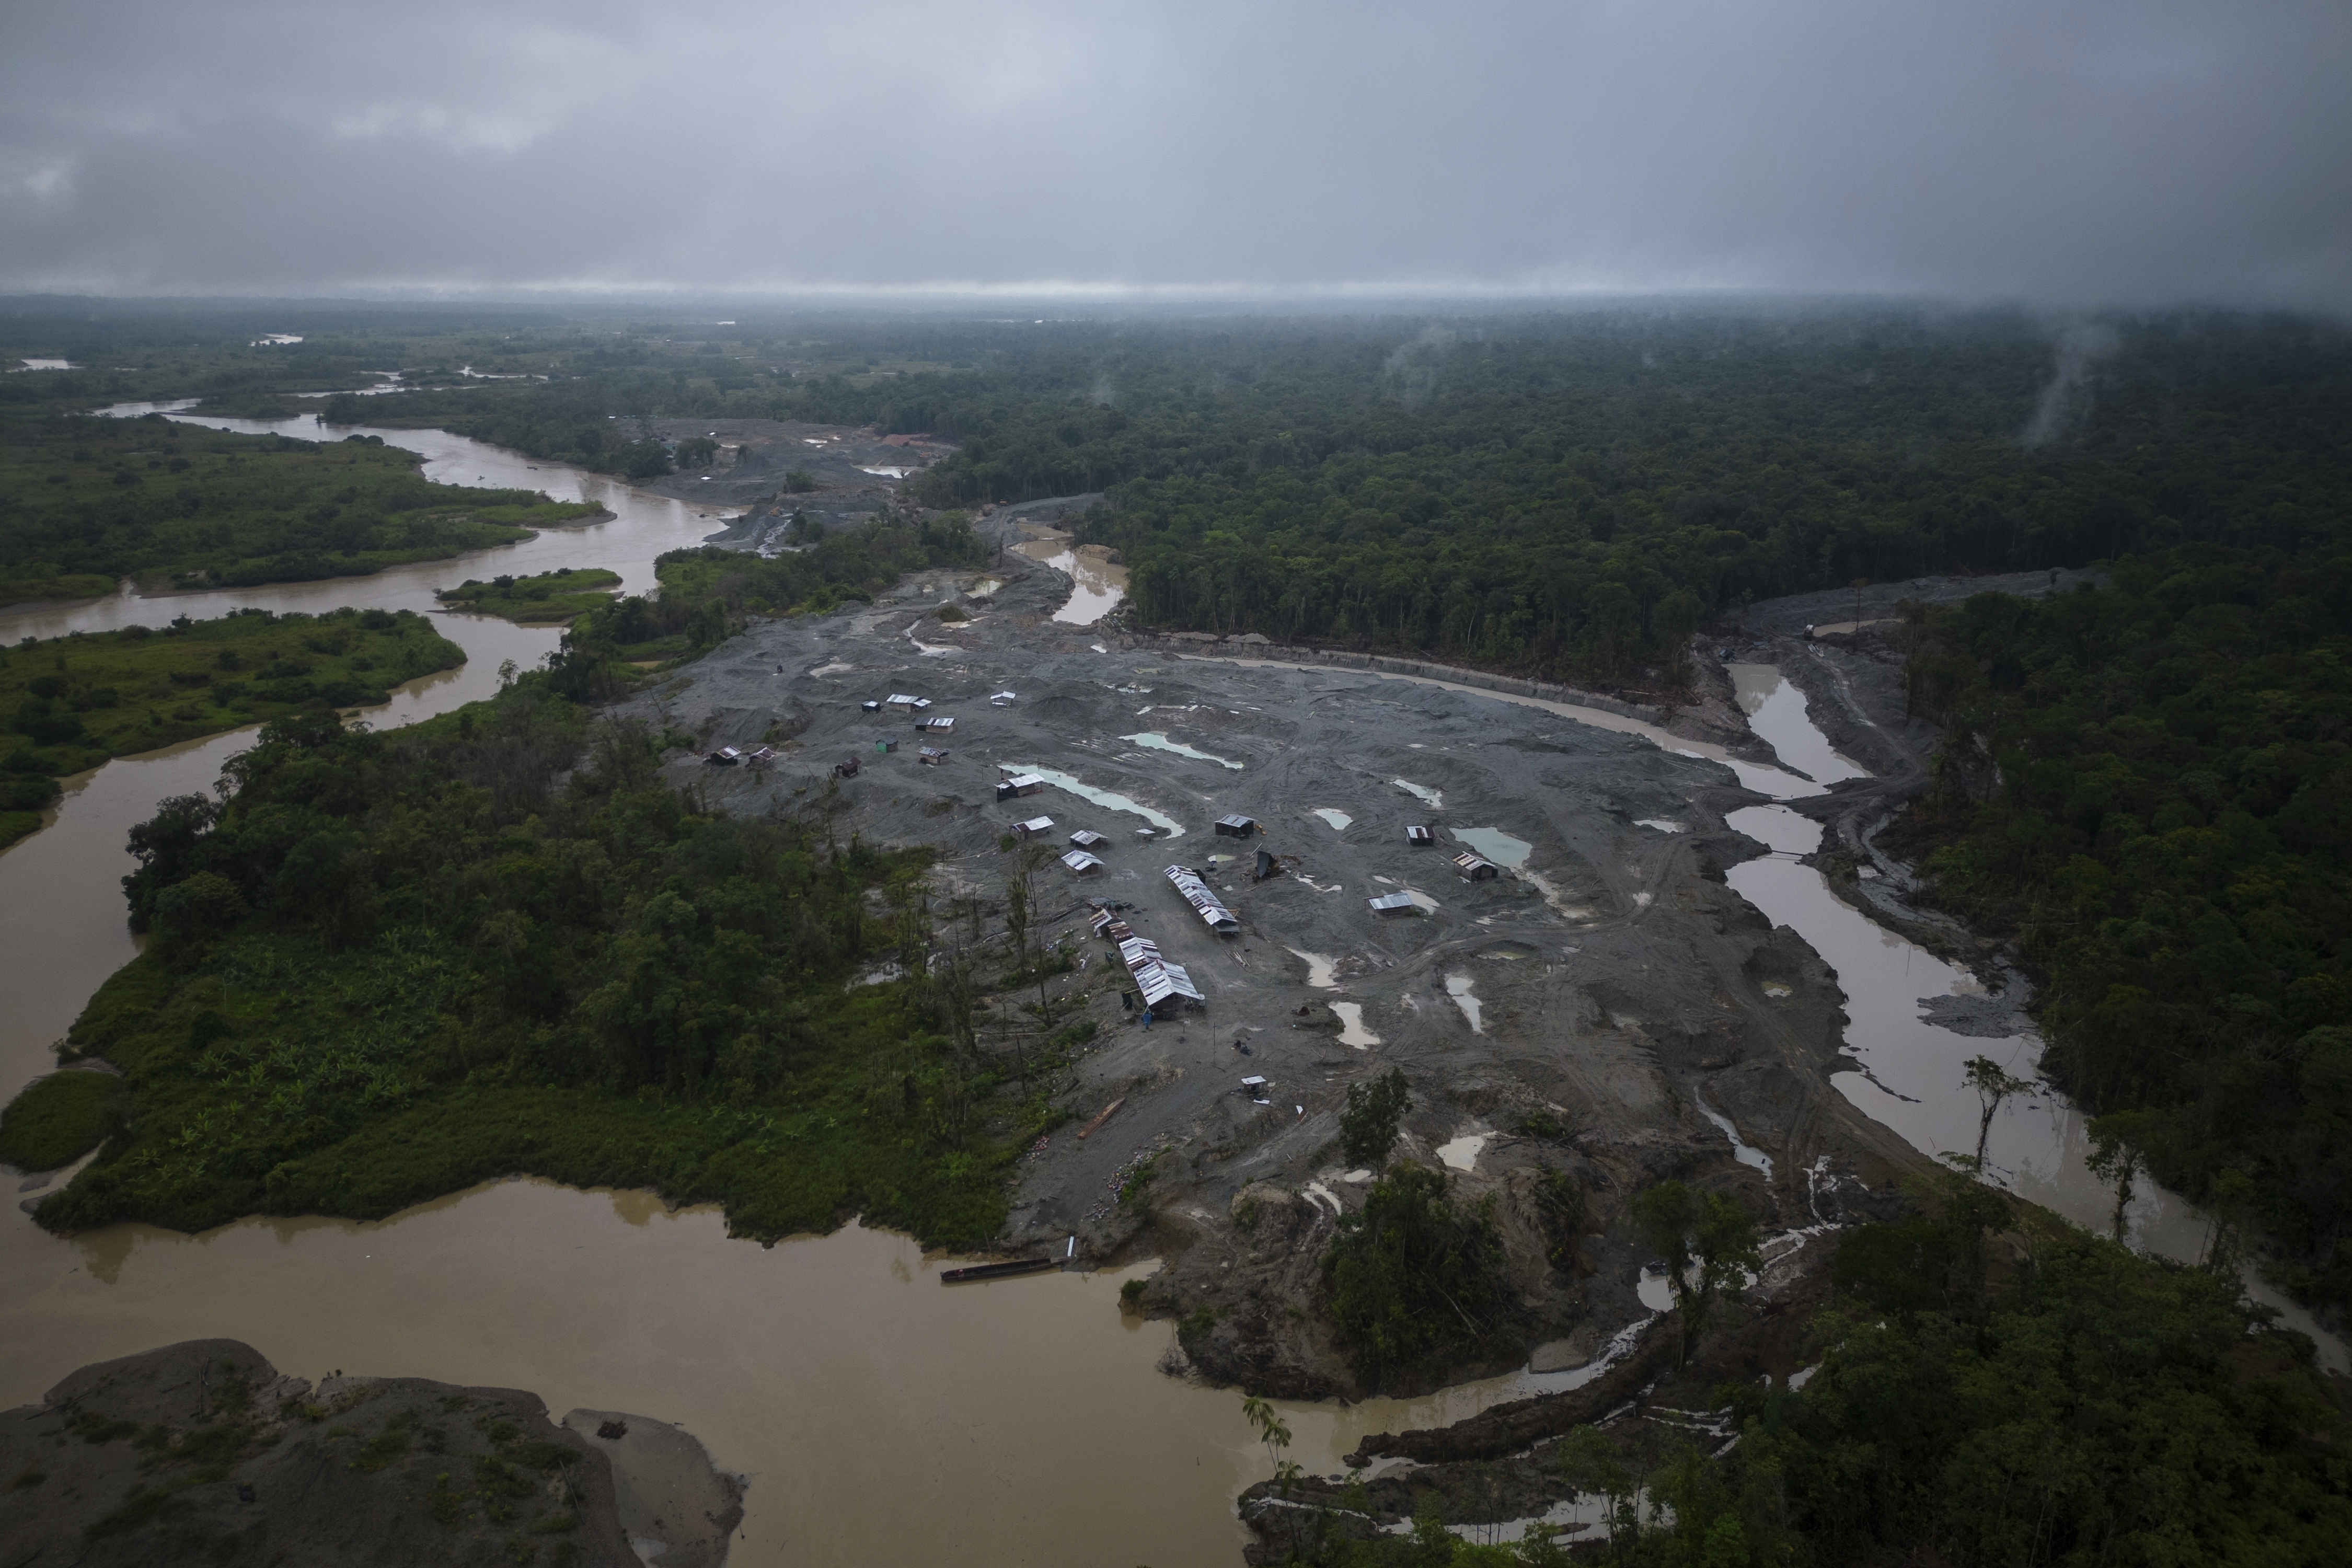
[2104,153]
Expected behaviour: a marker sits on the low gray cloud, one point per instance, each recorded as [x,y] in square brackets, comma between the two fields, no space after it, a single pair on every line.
[2069,152]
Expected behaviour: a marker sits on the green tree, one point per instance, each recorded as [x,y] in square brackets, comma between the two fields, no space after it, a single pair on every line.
[1992,1086]
[1708,1242]
[2119,1149]
[1367,1127]
[1589,1462]
[1414,1274]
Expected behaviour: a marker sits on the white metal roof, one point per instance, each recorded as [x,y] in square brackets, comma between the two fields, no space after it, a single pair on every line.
[1388,901]
[900,700]
[1079,860]
[1154,976]
[1085,838]
[1204,902]
[1037,824]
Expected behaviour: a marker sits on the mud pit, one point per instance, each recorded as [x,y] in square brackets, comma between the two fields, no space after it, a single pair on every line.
[1607,982]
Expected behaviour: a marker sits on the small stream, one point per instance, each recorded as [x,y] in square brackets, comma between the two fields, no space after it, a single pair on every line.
[876,1414]
[1910,1072]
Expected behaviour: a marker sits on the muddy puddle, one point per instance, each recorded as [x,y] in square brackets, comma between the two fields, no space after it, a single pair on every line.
[1096,584]
[1459,987]
[1152,739]
[1495,845]
[1776,711]
[1322,973]
[1352,1031]
[1106,799]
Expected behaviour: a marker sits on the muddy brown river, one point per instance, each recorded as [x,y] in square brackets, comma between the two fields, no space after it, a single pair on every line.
[876,1414]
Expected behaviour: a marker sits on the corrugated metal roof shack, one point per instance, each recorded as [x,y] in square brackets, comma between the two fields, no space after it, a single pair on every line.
[1018,785]
[1080,861]
[1419,837]
[1477,868]
[1204,903]
[1395,904]
[1159,980]
[1085,838]
[1034,826]
[932,757]
[1237,826]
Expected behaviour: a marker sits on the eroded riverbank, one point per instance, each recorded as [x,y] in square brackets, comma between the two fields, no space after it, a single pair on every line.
[619,1303]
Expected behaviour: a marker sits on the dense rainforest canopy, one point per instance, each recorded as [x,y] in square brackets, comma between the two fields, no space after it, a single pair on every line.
[2144,780]
[86,502]
[1570,494]
[71,702]
[385,967]
[2061,1402]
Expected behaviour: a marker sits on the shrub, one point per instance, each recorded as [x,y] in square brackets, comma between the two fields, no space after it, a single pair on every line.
[58,1120]
[1414,1275]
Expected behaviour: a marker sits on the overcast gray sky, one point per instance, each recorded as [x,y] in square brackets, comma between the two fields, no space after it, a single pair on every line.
[2076,153]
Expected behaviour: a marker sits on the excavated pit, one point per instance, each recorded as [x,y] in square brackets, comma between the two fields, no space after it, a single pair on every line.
[1625,1001]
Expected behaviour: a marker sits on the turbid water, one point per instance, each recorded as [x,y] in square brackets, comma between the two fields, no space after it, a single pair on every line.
[1776,710]
[1155,741]
[1495,845]
[1911,1071]
[876,1413]
[1096,583]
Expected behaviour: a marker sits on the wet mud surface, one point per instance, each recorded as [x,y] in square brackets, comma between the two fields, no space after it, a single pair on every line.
[855,472]
[1573,1009]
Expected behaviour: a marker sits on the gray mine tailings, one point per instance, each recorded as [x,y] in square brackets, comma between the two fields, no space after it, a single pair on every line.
[1568,1014]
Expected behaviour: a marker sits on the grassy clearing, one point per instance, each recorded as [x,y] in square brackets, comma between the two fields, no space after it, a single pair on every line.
[549,596]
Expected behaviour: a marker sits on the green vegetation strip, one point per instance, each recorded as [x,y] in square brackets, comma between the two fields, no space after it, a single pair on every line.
[707,594]
[389,966]
[2165,836]
[1991,1387]
[71,702]
[548,596]
[85,501]
[59,1119]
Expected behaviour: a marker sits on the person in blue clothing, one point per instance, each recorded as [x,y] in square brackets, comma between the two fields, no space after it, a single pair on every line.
[1146,1018]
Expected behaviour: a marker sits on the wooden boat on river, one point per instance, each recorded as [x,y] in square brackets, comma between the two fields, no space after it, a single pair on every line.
[973,1273]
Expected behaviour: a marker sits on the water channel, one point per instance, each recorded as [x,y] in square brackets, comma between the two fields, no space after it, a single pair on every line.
[876,1414]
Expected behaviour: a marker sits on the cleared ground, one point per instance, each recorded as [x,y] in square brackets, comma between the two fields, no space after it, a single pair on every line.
[1616,983]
